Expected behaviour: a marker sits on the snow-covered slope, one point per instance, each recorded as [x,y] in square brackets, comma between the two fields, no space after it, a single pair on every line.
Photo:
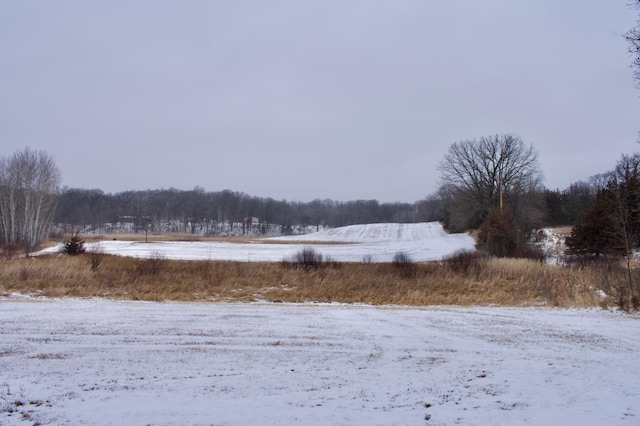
[374,242]
[376,232]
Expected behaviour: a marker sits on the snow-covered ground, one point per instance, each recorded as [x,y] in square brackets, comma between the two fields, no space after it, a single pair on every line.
[82,362]
[374,242]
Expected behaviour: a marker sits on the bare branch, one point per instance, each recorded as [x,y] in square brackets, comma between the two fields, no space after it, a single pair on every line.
[633,38]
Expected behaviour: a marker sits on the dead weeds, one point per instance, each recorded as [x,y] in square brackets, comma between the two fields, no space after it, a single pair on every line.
[513,282]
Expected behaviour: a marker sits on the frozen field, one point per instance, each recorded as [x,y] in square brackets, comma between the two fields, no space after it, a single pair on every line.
[376,242]
[86,362]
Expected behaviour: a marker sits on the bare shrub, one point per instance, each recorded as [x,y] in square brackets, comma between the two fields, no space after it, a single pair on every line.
[152,265]
[330,262]
[95,259]
[306,259]
[620,285]
[613,280]
[465,261]
[404,264]
[156,263]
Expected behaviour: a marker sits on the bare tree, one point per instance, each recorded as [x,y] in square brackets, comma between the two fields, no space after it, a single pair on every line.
[479,175]
[29,184]
[633,38]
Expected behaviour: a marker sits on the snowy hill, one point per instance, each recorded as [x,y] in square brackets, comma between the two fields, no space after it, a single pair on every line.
[375,242]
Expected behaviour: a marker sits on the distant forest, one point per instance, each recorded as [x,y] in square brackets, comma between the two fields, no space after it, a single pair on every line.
[215,213]
[235,213]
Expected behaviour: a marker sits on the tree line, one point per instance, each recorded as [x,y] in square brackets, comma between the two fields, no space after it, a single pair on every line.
[216,212]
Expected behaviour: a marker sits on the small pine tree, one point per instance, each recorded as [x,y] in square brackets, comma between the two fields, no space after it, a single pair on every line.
[74,245]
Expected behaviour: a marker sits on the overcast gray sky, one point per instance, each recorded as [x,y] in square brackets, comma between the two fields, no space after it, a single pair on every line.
[301,100]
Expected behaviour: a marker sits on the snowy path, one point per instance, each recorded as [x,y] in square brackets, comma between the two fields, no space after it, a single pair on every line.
[375,242]
[103,362]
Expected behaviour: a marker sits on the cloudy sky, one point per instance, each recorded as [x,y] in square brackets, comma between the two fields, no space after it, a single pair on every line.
[301,100]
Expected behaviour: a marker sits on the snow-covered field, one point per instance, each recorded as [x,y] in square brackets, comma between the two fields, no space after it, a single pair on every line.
[85,362]
[375,242]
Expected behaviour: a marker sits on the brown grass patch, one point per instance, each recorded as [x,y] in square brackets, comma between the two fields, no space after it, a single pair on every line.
[512,282]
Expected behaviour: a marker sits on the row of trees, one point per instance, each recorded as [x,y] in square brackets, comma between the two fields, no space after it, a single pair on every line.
[29,182]
[233,213]
[222,212]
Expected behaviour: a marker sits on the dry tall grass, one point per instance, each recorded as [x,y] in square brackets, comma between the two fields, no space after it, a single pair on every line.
[488,281]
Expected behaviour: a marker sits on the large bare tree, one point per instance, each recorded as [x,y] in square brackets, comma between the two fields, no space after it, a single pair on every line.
[29,184]
[479,175]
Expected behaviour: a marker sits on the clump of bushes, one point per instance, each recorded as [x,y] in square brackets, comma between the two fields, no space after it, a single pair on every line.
[309,260]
